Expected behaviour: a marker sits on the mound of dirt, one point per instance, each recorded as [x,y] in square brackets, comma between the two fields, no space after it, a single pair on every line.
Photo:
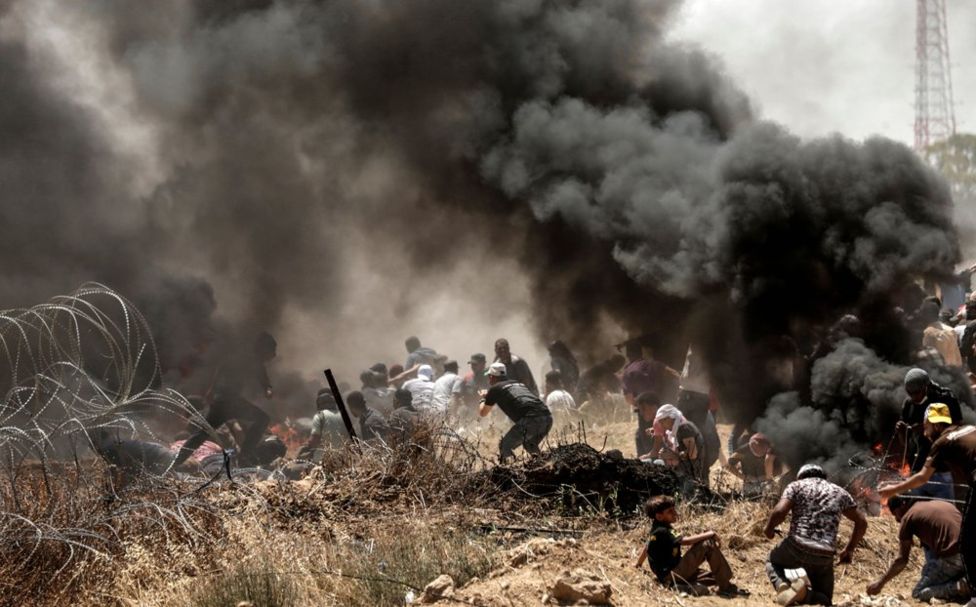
[578,476]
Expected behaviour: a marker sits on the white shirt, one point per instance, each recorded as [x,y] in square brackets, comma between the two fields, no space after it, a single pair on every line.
[560,401]
[445,387]
[422,391]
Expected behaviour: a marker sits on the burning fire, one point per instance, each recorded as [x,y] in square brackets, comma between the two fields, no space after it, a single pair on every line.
[293,438]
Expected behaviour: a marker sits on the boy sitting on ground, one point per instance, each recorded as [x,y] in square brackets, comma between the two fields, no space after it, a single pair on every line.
[663,552]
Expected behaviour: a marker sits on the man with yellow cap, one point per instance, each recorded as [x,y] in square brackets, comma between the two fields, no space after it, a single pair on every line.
[953,448]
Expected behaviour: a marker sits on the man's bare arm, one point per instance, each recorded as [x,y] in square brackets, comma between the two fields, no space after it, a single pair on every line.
[912,482]
[695,539]
[894,568]
[777,516]
[860,527]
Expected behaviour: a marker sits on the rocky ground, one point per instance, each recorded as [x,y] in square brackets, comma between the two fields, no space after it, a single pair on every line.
[376,529]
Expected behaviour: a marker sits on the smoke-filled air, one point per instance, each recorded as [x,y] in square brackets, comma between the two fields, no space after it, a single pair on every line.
[344,174]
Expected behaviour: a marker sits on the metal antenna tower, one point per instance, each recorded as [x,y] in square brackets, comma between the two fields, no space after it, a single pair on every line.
[935,118]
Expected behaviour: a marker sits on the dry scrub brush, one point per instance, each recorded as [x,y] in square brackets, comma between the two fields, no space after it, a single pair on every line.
[74,366]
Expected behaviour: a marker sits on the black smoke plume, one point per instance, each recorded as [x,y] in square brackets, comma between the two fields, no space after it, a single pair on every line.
[295,151]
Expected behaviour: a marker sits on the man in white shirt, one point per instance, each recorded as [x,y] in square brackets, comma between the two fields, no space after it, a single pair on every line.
[445,388]
[559,401]
[422,389]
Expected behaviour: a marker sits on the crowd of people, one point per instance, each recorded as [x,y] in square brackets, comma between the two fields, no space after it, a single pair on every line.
[675,427]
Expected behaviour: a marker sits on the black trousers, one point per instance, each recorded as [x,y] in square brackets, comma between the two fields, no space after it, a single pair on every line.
[227,407]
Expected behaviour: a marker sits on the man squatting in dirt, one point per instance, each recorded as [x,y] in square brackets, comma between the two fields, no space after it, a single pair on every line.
[228,402]
[530,415]
[663,553]
[953,448]
[808,550]
[937,525]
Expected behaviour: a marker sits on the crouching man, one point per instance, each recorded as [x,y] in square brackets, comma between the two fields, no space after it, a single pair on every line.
[663,553]
[530,415]
[937,525]
[801,567]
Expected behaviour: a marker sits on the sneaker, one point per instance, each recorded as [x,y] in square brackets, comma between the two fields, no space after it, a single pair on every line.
[732,591]
[792,595]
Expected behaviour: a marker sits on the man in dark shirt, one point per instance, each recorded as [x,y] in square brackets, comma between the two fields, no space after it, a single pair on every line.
[756,464]
[685,448]
[937,525]
[238,368]
[922,391]
[530,415]
[404,419]
[516,367]
[953,448]
[372,424]
[650,438]
[663,552]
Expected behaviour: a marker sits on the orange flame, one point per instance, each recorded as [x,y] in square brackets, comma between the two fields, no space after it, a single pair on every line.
[289,435]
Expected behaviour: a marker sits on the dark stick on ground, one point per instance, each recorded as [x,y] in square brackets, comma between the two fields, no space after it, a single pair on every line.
[340,404]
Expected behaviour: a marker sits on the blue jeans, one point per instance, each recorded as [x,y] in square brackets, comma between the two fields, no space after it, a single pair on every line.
[940,578]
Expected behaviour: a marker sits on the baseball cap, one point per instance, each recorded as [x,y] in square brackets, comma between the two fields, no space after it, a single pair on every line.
[938,413]
[425,371]
[477,358]
[497,370]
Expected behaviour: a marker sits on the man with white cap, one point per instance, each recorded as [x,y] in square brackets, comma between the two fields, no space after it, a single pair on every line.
[801,567]
[953,448]
[421,389]
[530,415]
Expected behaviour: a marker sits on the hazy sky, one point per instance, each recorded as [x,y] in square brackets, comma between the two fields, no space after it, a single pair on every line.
[822,66]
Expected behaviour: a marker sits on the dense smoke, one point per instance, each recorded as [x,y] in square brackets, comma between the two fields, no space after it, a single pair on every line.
[313,167]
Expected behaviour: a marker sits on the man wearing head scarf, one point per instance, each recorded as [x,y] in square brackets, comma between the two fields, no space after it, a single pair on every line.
[801,567]
[686,445]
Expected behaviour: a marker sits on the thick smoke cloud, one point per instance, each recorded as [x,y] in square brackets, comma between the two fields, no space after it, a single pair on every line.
[309,166]
[856,398]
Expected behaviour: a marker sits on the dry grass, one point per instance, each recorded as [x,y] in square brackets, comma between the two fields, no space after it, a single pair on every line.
[362,529]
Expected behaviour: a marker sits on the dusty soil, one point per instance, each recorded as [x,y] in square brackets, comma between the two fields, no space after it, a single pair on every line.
[608,550]
[370,530]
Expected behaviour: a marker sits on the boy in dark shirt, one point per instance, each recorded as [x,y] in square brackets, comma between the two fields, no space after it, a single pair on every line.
[663,552]
[530,415]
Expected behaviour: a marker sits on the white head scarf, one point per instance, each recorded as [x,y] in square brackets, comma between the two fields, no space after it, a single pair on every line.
[670,412]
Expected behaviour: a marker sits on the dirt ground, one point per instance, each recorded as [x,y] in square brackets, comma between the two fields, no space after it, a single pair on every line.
[374,532]
[608,553]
